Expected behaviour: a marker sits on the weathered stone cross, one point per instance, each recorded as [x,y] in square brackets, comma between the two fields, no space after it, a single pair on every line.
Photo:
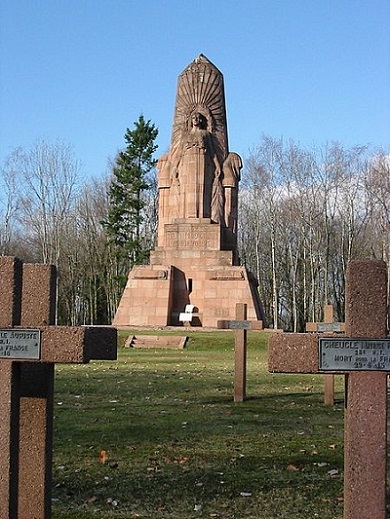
[29,348]
[364,355]
[240,326]
[329,326]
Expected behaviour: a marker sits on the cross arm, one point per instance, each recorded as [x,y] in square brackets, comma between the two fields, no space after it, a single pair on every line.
[225,324]
[78,345]
[293,353]
[73,344]
[325,327]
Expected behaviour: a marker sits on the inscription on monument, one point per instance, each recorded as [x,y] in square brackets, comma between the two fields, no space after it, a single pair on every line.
[342,354]
[20,344]
[190,239]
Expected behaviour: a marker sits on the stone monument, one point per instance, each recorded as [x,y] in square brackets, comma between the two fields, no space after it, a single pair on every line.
[195,261]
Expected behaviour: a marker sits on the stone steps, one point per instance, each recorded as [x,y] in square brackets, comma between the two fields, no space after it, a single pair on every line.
[156,341]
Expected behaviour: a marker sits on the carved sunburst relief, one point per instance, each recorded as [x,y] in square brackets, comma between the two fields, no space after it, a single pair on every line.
[200,89]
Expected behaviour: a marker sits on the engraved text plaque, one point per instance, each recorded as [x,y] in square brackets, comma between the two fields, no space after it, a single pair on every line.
[342,354]
[16,343]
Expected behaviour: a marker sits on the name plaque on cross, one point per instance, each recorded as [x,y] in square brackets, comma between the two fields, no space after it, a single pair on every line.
[343,354]
[329,327]
[20,344]
[238,325]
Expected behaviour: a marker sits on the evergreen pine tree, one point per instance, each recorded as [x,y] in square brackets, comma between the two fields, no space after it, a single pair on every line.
[124,221]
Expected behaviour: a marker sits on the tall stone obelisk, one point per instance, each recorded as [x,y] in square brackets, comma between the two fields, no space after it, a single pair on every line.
[195,261]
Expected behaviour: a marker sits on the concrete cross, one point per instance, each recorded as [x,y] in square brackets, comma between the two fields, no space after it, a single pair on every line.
[29,349]
[240,326]
[328,325]
[364,355]
[240,349]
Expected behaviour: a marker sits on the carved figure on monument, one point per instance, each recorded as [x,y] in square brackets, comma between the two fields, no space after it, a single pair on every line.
[195,166]
[191,175]
[231,178]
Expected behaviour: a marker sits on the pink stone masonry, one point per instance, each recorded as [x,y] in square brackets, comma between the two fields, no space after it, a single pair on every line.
[197,231]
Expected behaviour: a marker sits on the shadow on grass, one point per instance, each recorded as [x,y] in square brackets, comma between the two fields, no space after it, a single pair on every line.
[175,438]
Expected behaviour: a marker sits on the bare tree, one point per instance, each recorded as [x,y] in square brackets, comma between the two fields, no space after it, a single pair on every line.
[50,176]
[304,214]
[84,266]
[263,180]
[9,201]
[378,194]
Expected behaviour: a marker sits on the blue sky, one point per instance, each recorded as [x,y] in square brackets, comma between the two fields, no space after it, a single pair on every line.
[82,71]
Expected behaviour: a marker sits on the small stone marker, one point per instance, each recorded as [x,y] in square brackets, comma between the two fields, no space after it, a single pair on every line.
[363,355]
[327,326]
[29,348]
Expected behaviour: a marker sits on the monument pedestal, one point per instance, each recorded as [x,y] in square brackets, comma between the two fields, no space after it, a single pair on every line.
[191,268]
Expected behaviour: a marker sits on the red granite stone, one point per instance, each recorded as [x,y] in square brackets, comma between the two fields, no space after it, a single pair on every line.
[293,353]
[10,309]
[366,299]
[11,290]
[38,307]
[366,396]
[26,386]
[38,294]
[366,411]
[9,428]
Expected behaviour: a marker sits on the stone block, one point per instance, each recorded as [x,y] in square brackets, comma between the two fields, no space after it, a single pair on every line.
[293,353]
[368,317]
[38,294]
[11,290]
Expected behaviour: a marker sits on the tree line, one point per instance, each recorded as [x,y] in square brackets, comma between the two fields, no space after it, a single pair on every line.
[93,231]
[303,214]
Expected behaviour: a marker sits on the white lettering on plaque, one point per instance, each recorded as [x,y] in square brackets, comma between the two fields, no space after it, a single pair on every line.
[342,354]
[16,343]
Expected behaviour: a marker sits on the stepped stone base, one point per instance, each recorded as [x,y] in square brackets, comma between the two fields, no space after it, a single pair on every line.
[147,298]
[192,269]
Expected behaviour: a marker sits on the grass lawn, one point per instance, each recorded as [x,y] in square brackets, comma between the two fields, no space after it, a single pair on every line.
[177,446]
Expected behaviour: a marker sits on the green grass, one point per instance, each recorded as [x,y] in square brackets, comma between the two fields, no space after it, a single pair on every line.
[179,447]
